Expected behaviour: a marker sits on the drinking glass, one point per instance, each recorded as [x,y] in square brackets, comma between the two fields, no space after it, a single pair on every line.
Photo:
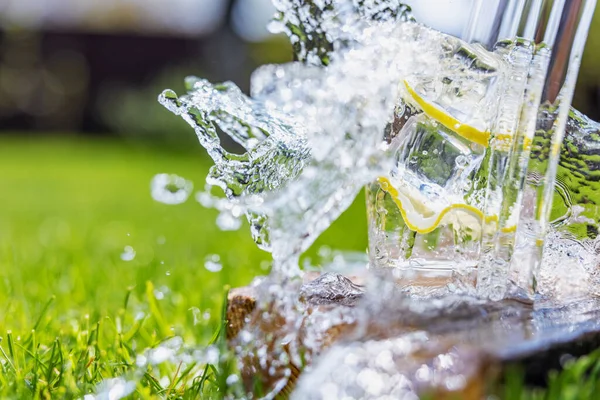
[468,201]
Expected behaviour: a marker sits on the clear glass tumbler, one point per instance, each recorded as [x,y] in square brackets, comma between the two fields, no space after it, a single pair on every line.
[448,212]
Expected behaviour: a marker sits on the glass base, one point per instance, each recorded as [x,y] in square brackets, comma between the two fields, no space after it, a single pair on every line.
[427,277]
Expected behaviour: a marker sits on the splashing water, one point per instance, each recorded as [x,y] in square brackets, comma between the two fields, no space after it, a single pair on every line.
[172,352]
[316,28]
[112,389]
[315,132]
[577,191]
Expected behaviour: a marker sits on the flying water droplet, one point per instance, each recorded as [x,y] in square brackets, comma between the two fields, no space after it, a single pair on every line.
[226,221]
[112,389]
[165,381]
[170,188]
[231,379]
[128,253]
[195,313]
[212,355]
[213,263]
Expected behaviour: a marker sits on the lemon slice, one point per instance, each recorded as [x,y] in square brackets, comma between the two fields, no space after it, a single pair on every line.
[443,117]
[423,216]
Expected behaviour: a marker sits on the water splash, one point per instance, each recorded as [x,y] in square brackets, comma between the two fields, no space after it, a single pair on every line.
[569,268]
[400,368]
[112,389]
[317,28]
[171,352]
[314,133]
[571,263]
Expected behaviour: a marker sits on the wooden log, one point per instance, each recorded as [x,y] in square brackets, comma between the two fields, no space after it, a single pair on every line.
[491,337]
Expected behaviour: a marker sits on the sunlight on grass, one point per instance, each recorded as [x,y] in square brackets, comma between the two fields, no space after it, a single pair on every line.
[76,311]
[73,311]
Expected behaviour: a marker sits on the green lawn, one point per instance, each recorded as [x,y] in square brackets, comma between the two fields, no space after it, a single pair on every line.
[68,208]
[73,313]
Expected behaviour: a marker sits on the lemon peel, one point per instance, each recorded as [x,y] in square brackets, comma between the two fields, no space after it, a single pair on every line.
[503,142]
[466,131]
[430,219]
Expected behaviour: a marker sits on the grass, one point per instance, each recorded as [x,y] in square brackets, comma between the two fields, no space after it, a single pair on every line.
[579,380]
[73,313]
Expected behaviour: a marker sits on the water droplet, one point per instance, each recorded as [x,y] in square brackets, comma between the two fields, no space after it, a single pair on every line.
[265,265]
[141,361]
[170,188]
[195,313]
[324,251]
[231,379]
[128,253]
[114,388]
[213,263]
[168,273]
[461,161]
[158,294]
[165,381]
[165,352]
[212,355]
[227,222]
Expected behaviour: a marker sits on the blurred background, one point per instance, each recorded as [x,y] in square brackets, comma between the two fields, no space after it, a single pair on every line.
[95,67]
[90,67]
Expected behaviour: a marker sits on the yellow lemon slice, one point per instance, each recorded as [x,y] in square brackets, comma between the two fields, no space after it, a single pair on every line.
[443,117]
[423,216]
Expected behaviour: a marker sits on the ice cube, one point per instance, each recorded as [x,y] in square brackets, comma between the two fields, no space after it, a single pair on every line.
[434,159]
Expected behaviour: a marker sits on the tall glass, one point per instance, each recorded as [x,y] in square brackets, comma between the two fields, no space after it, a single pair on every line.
[566,35]
[447,214]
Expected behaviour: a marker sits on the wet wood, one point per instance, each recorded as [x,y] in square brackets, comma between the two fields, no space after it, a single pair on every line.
[493,336]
